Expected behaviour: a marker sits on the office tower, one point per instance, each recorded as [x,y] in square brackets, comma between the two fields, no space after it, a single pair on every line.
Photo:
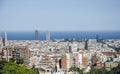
[48,35]
[1,42]
[36,35]
[5,39]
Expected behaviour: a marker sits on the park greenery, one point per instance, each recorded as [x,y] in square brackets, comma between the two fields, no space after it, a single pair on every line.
[17,67]
[13,67]
[115,70]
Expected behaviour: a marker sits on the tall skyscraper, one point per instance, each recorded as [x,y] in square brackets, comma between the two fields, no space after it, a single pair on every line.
[48,35]
[36,35]
[5,39]
[1,42]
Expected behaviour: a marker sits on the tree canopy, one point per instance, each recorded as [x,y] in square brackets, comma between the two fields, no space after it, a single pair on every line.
[115,70]
[13,68]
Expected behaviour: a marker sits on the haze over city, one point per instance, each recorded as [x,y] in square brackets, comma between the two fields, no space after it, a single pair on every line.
[60,15]
[59,36]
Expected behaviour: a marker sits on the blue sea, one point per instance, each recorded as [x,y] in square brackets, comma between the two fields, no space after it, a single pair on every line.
[78,35]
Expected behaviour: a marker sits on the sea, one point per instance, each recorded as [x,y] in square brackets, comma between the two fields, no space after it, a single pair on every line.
[77,35]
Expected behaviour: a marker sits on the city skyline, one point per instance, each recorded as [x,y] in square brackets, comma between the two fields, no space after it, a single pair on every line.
[59,36]
[60,15]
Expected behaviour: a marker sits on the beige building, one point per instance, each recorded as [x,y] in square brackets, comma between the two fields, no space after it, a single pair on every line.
[110,65]
[15,52]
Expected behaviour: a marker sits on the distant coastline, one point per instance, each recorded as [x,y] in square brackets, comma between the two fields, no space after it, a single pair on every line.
[78,35]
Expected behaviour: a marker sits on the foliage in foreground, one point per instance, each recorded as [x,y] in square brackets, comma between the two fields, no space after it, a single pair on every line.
[13,68]
[95,71]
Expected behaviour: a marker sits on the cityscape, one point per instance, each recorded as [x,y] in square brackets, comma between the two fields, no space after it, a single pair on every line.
[59,37]
[58,56]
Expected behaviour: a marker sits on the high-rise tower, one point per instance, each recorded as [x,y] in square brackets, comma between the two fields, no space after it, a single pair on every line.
[5,39]
[48,35]
[36,35]
[1,41]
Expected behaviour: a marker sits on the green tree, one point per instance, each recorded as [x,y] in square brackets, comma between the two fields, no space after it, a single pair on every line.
[34,69]
[19,60]
[12,60]
[76,69]
[2,64]
[12,68]
[116,70]
[80,71]
[92,71]
[101,71]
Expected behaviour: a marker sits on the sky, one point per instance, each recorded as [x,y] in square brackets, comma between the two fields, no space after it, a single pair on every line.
[60,15]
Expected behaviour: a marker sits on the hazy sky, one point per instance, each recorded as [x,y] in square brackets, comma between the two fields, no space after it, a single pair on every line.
[60,15]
